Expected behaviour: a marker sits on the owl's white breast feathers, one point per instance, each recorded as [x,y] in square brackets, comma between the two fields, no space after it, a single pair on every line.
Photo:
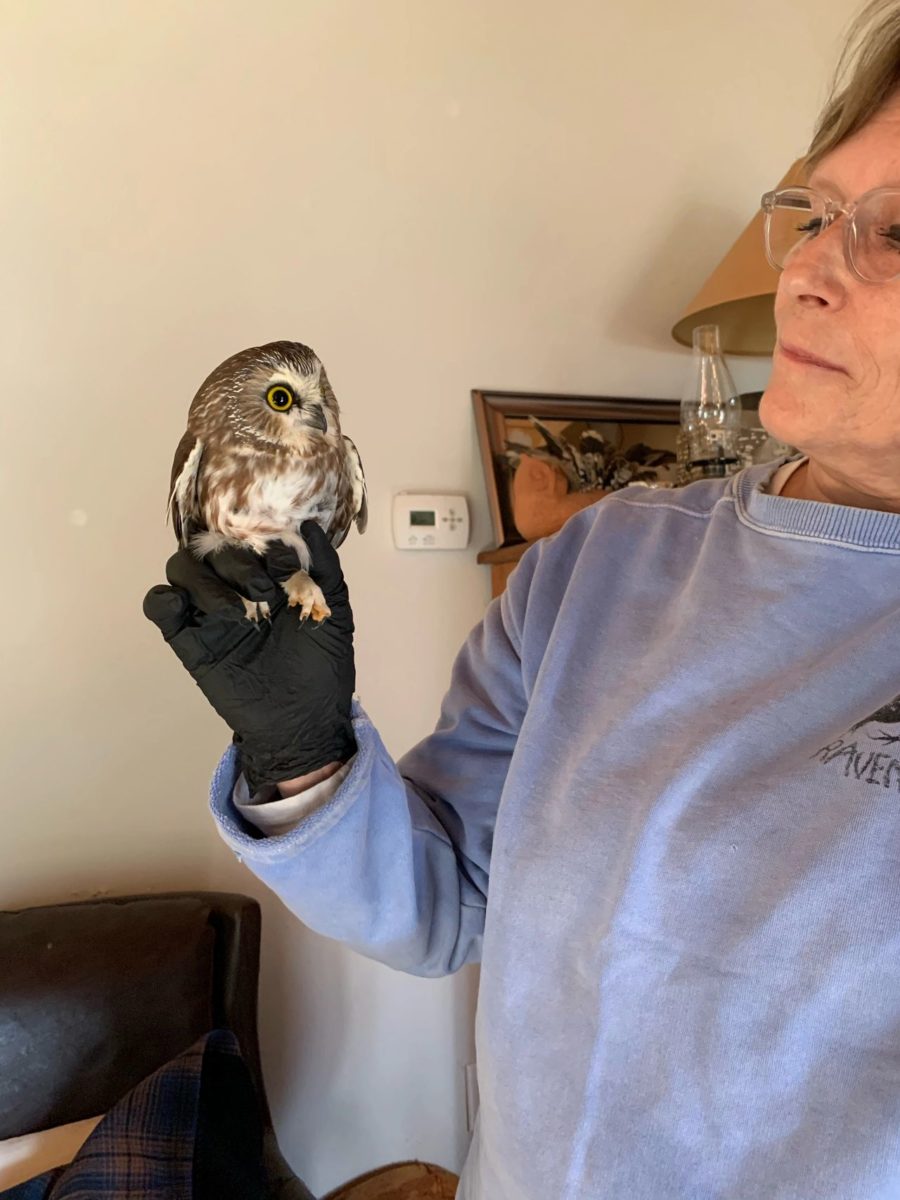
[272,504]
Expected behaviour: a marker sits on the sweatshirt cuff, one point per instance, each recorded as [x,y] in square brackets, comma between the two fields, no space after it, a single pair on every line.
[272,813]
[248,841]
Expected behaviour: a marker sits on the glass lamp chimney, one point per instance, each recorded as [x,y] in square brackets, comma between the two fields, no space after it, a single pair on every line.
[710,412]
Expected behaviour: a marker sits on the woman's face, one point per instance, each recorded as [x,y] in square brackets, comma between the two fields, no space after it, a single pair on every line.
[847,421]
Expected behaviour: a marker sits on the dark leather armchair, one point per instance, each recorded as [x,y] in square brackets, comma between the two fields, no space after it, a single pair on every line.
[96,995]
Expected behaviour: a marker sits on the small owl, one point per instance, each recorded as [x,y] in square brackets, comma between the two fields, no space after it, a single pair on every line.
[263,452]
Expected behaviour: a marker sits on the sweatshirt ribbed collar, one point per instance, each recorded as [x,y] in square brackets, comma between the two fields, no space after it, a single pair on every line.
[813,520]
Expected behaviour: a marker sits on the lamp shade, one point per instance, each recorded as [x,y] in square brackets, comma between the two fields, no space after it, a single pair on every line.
[739,296]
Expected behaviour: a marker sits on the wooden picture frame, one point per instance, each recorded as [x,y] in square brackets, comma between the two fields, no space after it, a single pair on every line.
[497,412]
[653,421]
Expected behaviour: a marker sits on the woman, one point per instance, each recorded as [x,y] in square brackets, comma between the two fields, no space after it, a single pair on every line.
[670,747]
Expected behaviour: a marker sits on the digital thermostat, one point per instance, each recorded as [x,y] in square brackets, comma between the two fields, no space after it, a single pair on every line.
[430,522]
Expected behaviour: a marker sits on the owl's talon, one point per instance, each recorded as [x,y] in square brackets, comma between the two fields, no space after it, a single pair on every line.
[251,610]
[256,610]
[303,591]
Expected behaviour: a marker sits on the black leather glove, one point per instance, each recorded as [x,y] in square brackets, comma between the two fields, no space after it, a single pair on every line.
[284,686]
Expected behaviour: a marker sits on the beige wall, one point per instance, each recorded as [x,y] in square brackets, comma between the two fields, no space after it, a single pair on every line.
[435,196]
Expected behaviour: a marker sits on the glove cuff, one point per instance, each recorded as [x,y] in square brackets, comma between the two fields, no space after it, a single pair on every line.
[265,765]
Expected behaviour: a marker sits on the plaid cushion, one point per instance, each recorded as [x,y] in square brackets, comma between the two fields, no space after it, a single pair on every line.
[189,1131]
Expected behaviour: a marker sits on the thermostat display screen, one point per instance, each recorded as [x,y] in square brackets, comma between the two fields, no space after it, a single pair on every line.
[421,517]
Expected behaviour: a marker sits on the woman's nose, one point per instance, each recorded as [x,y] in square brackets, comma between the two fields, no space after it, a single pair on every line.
[818,268]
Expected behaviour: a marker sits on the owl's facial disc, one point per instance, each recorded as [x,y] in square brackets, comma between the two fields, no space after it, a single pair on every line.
[298,410]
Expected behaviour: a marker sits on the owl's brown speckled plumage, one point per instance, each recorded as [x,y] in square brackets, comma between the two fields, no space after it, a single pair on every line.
[247,472]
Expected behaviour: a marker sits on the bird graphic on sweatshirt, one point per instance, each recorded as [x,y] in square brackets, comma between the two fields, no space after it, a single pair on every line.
[888,714]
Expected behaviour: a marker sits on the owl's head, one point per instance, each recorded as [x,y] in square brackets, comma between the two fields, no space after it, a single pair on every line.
[276,395]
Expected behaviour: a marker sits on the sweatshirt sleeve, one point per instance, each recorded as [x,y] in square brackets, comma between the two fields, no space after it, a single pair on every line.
[395,863]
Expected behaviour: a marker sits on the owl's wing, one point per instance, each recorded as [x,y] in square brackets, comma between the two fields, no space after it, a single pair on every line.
[352,504]
[357,478]
[184,505]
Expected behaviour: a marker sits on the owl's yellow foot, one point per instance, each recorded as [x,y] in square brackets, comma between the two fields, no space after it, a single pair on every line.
[303,591]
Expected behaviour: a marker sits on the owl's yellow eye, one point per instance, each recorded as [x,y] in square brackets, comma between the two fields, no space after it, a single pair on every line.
[279,397]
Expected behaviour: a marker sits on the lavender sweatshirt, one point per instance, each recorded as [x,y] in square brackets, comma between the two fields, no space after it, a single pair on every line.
[662,807]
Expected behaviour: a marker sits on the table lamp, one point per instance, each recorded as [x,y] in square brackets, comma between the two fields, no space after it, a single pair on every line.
[739,296]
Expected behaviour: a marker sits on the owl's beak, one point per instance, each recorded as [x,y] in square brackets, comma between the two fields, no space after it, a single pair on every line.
[313,415]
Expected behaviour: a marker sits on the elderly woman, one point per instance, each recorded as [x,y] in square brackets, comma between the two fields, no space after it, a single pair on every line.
[662,802]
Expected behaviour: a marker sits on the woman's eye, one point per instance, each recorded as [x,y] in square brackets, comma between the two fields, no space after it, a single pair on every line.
[811,226]
[280,398]
[892,237]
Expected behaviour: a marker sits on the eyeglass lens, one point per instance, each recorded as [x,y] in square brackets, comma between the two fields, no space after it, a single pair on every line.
[797,218]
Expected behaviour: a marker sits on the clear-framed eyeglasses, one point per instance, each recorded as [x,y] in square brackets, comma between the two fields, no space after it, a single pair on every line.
[796,215]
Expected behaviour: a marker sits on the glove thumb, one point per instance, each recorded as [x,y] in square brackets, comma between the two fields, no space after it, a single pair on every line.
[168,608]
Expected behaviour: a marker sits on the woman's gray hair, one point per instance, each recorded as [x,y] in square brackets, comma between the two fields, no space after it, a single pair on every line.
[868,72]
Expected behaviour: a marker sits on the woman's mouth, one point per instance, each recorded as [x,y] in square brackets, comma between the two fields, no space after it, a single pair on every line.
[805,359]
